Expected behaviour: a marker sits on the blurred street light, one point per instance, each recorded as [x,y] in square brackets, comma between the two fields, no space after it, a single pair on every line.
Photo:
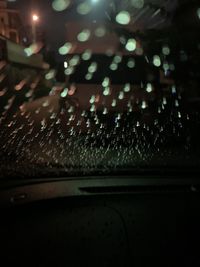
[35,19]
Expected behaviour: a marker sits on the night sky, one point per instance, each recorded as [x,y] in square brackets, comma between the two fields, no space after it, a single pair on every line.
[53,23]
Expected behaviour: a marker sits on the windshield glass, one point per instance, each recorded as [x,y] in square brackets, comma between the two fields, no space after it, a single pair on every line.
[96,86]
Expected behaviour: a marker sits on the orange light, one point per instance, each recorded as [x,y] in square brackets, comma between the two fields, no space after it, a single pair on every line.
[35,17]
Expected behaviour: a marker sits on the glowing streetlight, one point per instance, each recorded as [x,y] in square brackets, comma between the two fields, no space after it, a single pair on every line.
[35,19]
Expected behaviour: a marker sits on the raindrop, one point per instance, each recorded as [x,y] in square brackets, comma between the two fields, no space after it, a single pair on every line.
[84,35]
[166,50]
[100,32]
[93,108]
[144,105]
[131,45]
[149,88]
[84,8]
[106,82]
[88,76]
[131,63]
[106,91]
[137,3]
[122,40]
[87,55]
[69,70]
[113,66]
[92,99]
[64,92]
[121,95]
[74,61]
[156,61]
[123,17]
[164,101]
[65,49]
[114,103]
[198,13]
[60,5]
[117,59]
[176,103]
[50,75]
[165,66]
[127,87]
[173,89]
[93,67]
[105,111]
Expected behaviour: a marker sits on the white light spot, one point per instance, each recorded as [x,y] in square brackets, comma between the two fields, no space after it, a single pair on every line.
[149,88]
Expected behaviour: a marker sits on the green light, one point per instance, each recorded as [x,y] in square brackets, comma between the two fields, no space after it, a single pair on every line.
[93,67]
[74,61]
[137,3]
[92,99]
[131,63]
[198,13]
[121,95]
[65,49]
[84,8]
[60,5]
[28,51]
[131,45]
[106,91]
[105,111]
[84,35]
[100,32]
[87,55]
[88,76]
[114,103]
[127,87]
[113,66]
[106,82]
[64,92]
[117,59]
[156,61]
[93,108]
[149,88]
[144,104]
[123,18]
[166,50]
[69,71]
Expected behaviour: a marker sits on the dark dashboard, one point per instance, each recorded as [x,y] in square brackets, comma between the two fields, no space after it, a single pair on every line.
[101,222]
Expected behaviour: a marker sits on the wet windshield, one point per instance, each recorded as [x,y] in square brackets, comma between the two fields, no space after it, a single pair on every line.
[91,86]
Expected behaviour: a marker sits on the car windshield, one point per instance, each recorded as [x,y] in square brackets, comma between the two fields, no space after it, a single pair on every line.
[99,86]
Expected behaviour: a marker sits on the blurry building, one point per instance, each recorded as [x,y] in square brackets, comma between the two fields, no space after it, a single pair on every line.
[11,25]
